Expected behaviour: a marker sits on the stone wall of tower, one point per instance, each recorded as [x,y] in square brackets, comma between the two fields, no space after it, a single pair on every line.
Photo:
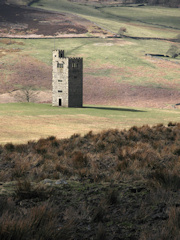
[75,82]
[60,80]
[67,80]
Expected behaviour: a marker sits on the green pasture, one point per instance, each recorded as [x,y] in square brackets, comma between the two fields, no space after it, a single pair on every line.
[122,60]
[134,28]
[144,21]
[67,6]
[21,122]
[158,16]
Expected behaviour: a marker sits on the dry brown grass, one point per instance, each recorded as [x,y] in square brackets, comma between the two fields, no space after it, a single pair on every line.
[148,153]
[118,183]
[37,223]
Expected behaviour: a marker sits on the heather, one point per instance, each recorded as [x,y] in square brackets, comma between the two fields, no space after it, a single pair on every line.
[110,185]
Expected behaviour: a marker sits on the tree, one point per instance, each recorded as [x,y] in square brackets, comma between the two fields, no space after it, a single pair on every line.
[173,51]
[177,39]
[26,94]
[121,31]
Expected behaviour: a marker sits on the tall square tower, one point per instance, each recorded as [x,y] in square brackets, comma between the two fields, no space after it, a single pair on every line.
[67,80]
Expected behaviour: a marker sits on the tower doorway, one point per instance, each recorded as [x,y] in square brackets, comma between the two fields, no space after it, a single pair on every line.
[60,102]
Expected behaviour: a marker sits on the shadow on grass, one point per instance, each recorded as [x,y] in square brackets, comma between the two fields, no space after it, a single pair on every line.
[115,109]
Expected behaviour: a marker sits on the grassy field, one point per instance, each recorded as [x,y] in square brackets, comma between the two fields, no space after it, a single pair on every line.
[119,59]
[20,122]
[158,16]
[122,61]
[139,21]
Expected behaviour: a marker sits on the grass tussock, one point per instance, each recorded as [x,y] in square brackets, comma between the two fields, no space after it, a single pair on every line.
[39,222]
[25,190]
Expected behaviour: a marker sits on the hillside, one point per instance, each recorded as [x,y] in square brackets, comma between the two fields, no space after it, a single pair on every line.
[116,71]
[115,43]
[144,21]
[111,185]
[24,22]
[167,3]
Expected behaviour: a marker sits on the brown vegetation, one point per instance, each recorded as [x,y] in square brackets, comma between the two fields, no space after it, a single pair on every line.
[27,22]
[168,3]
[149,154]
[24,72]
[111,185]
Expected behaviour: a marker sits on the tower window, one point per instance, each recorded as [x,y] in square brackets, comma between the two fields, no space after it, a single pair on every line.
[59,90]
[74,65]
[59,65]
[59,80]
[61,54]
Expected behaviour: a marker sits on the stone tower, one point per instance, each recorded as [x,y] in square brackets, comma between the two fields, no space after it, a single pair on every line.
[67,80]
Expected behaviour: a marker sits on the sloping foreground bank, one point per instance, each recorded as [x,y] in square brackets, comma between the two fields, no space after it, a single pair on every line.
[111,185]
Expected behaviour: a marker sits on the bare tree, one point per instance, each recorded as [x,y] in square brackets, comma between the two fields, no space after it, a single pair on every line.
[26,94]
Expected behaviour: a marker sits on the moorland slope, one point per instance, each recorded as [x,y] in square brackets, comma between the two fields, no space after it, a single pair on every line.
[25,22]
[111,185]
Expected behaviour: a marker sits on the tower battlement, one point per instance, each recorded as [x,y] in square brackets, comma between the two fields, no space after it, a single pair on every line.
[67,80]
[58,53]
[73,58]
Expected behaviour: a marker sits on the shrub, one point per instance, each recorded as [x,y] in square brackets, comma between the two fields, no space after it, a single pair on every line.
[112,196]
[55,143]
[62,169]
[79,160]
[51,138]
[170,230]
[9,147]
[99,212]
[3,203]
[1,149]
[20,169]
[24,190]
[21,148]
[173,51]
[123,165]
[42,146]
[173,229]
[122,30]
[39,223]
[101,232]
[166,179]
[171,124]
[41,150]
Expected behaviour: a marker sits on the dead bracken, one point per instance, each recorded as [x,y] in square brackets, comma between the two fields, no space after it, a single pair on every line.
[111,185]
